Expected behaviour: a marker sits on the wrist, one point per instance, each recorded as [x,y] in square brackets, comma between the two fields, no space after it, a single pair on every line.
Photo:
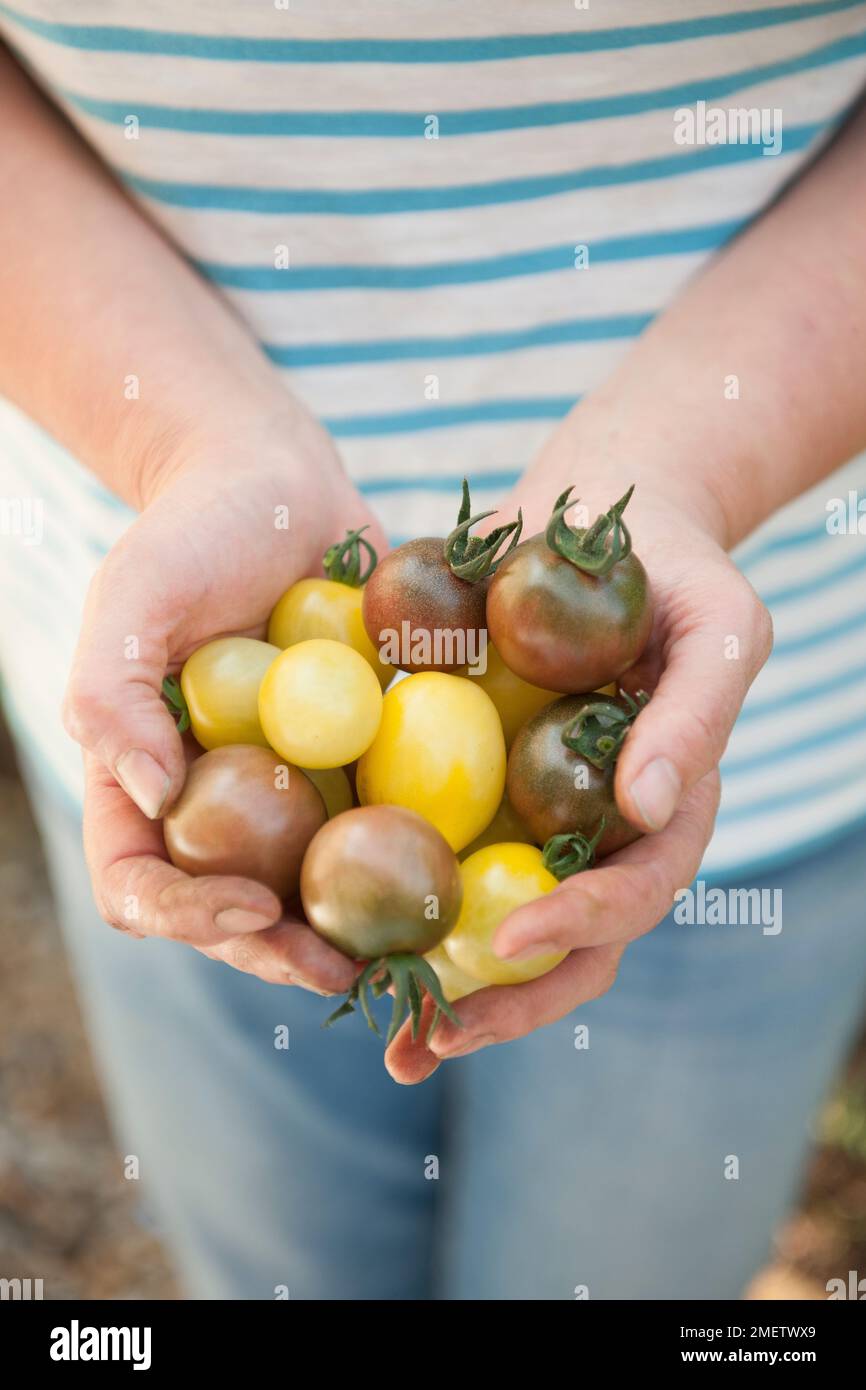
[245,433]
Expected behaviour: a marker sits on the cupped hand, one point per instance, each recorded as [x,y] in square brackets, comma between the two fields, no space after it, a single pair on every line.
[234,522]
[711,636]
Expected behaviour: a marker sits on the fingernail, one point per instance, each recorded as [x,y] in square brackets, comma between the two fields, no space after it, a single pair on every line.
[314,989]
[144,780]
[236,920]
[656,792]
[464,1046]
[535,948]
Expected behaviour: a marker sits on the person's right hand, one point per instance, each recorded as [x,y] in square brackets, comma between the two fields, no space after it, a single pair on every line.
[206,558]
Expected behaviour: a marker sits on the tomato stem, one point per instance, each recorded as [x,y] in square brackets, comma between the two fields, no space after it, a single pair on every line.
[474,557]
[410,976]
[598,730]
[342,561]
[588,549]
[564,855]
[176,701]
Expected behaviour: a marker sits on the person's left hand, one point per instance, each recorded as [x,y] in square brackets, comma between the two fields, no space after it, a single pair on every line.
[667,780]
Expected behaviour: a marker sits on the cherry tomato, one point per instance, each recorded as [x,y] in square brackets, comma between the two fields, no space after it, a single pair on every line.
[506,826]
[566,610]
[379,880]
[333,786]
[439,751]
[324,608]
[320,704]
[331,607]
[455,985]
[244,812]
[424,604]
[496,880]
[220,683]
[515,699]
[557,790]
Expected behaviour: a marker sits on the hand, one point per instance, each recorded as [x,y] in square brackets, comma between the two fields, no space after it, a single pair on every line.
[667,781]
[205,559]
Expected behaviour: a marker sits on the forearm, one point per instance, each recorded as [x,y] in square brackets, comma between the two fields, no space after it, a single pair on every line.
[783,311]
[94,297]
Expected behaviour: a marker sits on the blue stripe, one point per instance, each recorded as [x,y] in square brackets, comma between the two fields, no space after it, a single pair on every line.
[772,708]
[267,278]
[440,417]
[794,748]
[480,121]
[364,202]
[340,354]
[109,38]
[819,638]
[775,545]
[797,853]
[498,480]
[782,801]
[775,598]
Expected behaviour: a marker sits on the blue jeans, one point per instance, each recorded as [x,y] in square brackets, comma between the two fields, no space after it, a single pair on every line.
[527,1171]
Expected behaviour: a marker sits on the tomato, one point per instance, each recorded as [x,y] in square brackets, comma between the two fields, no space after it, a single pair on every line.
[244,812]
[496,880]
[381,884]
[567,611]
[515,699]
[220,684]
[558,790]
[320,704]
[324,608]
[439,751]
[424,604]
[378,880]
[505,826]
[455,985]
[333,786]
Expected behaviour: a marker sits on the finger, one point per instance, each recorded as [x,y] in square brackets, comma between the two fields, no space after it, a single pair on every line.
[139,891]
[289,953]
[507,1012]
[623,897]
[713,653]
[408,1060]
[113,705]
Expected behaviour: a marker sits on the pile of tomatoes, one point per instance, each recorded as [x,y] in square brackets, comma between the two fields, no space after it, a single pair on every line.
[421,745]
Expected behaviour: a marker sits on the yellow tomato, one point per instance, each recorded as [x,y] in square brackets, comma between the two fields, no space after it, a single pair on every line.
[496,880]
[320,704]
[439,751]
[333,786]
[515,699]
[506,826]
[220,683]
[325,608]
[455,985]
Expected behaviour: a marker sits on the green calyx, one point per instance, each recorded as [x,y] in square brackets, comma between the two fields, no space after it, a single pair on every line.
[474,557]
[598,731]
[174,698]
[564,855]
[343,561]
[410,976]
[598,548]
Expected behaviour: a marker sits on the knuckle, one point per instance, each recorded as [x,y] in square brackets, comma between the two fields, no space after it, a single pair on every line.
[85,709]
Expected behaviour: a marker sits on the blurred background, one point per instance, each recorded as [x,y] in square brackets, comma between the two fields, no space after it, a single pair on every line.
[68,1217]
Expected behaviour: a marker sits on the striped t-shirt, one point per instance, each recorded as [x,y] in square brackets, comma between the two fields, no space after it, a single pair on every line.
[447,222]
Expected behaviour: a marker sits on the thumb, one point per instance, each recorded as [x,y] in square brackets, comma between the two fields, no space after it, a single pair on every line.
[683,732]
[113,705]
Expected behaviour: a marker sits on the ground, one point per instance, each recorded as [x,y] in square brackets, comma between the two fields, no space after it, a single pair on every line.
[68,1216]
